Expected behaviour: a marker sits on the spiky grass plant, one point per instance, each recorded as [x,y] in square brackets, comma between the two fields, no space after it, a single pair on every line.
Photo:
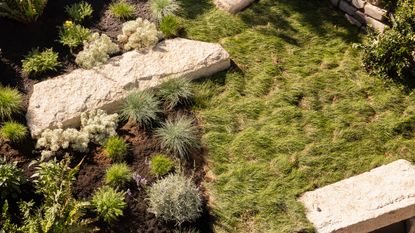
[178,136]
[141,108]
[161,165]
[109,203]
[79,11]
[162,8]
[13,131]
[118,175]
[122,10]
[116,148]
[175,91]
[10,102]
[170,26]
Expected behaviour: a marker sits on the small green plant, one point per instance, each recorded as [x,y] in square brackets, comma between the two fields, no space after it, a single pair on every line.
[109,203]
[11,177]
[37,62]
[122,10]
[178,136]
[139,34]
[175,91]
[175,198]
[73,35]
[141,108]
[162,8]
[25,11]
[10,102]
[118,175]
[170,26]
[161,165]
[79,11]
[13,131]
[116,148]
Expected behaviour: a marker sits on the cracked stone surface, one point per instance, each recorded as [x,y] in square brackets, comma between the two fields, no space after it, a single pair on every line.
[365,202]
[61,100]
[233,6]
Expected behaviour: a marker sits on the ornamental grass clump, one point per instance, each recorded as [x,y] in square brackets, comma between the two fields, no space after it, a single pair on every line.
[11,177]
[140,108]
[138,34]
[97,51]
[162,8]
[116,148]
[118,175]
[73,35]
[79,11]
[178,136]
[122,10]
[25,11]
[109,203]
[175,91]
[10,102]
[161,165]
[13,131]
[170,26]
[175,198]
[38,62]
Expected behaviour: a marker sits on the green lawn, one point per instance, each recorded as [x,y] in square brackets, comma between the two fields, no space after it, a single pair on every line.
[296,112]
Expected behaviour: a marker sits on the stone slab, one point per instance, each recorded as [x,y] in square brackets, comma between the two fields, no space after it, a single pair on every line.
[353,21]
[233,6]
[377,25]
[61,100]
[346,7]
[365,202]
[375,12]
[360,4]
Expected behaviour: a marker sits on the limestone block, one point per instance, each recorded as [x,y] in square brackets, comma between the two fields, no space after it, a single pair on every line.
[360,4]
[353,21]
[379,26]
[346,7]
[375,12]
[233,6]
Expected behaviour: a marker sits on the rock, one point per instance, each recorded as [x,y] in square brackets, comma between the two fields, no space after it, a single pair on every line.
[379,26]
[62,99]
[360,4]
[233,6]
[360,16]
[410,225]
[375,2]
[335,2]
[365,202]
[346,7]
[375,12]
[353,21]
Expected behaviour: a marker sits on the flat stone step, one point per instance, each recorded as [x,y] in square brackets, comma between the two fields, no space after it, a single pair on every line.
[61,100]
[233,6]
[364,203]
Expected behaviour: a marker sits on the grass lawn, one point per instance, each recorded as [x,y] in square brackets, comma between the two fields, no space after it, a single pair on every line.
[296,113]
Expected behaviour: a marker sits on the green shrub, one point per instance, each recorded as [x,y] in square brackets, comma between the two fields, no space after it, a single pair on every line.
[178,137]
[25,11]
[37,62]
[175,198]
[13,131]
[109,203]
[141,108]
[170,26]
[175,91]
[162,8]
[73,35]
[161,165]
[118,175]
[122,10]
[79,11]
[10,102]
[116,148]
[11,177]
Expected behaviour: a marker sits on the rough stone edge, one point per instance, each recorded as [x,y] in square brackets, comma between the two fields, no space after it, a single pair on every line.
[233,10]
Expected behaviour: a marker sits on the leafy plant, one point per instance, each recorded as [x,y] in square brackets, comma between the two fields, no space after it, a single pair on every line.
[10,102]
[37,62]
[116,148]
[11,177]
[118,175]
[178,136]
[140,107]
[138,34]
[25,11]
[109,203]
[73,35]
[175,91]
[13,131]
[170,26]
[97,51]
[79,11]
[175,198]
[122,9]
[161,165]
[162,8]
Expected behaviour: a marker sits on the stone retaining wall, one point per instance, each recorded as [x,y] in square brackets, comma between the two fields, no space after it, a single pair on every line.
[363,12]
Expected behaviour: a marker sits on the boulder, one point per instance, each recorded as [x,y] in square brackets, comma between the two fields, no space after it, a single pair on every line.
[61,100]
[364,203]
[233,6]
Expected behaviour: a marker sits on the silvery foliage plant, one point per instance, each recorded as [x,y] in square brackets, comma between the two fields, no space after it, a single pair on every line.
[139,34]
[99,125]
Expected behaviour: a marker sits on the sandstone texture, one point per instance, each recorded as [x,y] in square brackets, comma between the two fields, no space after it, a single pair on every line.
[233,6]
[61,100]
[364,203]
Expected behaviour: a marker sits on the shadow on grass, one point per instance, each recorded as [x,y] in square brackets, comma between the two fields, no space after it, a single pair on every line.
[192,8]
